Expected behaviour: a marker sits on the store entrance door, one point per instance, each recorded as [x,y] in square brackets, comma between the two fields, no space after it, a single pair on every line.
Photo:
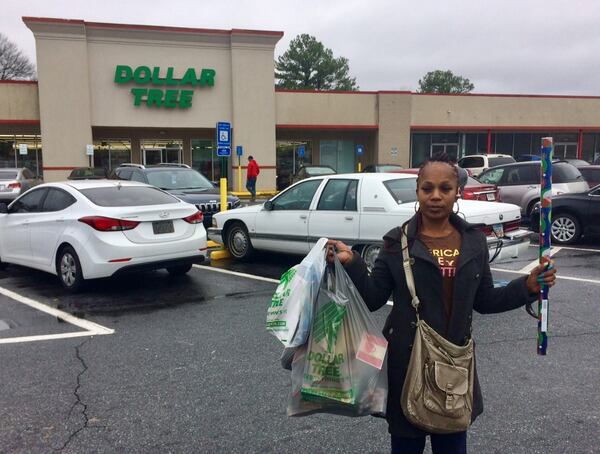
[564,150]
[160,151]
[451,149]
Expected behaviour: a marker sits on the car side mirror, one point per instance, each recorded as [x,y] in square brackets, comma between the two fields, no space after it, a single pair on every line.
[3,208]
[268,206]
[215,184]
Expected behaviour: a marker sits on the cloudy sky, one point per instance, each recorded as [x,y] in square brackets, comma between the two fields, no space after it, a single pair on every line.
[502,46]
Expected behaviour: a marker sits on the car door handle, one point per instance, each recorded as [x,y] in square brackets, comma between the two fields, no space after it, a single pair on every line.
[303,216]
[531,187]
[348,218]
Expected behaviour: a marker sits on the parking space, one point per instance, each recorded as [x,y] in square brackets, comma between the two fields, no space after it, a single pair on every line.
[190,368]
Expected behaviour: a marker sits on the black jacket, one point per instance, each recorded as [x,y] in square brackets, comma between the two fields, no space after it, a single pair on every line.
[473,289]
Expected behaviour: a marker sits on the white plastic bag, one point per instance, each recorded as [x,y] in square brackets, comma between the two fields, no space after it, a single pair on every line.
[342,369]
[290,313]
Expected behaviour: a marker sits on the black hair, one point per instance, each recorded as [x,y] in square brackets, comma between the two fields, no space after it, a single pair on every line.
[441,157]
[250,157]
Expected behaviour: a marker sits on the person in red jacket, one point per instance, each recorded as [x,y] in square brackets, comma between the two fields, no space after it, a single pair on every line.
[251,175]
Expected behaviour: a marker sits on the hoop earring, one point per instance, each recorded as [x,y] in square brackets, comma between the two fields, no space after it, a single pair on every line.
[415,206]
[457,208]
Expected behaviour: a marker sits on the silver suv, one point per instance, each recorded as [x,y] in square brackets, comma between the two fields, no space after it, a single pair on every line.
[15,181]
[519,183]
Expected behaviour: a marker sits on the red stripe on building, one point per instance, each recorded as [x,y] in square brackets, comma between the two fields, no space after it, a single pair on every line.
[19,122]
[485,128]
[59,168]
[357,127]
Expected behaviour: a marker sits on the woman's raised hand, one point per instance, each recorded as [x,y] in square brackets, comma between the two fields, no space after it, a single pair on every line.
[342,250]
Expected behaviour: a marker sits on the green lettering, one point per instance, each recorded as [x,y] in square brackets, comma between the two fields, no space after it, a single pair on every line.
[170,79]
[185,99]
[156,80]
[171,98]
[138,93]
[207,77]
[189,78]
[123,74]
[154,97]
[142,75]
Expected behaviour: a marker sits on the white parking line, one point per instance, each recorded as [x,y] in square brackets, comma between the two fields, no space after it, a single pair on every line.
[558,276]
[91,328]
[528,268]
[235,273]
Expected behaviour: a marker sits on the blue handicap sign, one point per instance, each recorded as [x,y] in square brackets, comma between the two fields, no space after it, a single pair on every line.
[239,150]
[223,134]
[301,150]
[224,152]
[360,150]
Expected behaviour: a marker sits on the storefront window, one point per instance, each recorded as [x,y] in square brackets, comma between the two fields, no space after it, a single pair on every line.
[288,162]
[420,145]
[11,155]
[338,154]
[111,153]
[591,147]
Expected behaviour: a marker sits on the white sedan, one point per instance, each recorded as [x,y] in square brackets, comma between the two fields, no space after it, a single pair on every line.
[355,208]
[91,229]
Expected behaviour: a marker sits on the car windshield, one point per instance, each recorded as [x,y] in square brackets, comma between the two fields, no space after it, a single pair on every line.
[127,196]
[316,171]
[178,179]
[472,182]
[8,174]
[493,162]
[403,190]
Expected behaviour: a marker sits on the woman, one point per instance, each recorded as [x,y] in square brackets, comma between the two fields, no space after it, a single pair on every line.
[452,277]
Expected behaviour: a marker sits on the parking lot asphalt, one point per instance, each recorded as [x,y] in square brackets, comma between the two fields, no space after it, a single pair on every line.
[190,368]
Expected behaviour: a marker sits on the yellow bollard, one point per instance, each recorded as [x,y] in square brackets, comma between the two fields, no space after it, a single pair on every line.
[359,167]
[239,176]
[223,194]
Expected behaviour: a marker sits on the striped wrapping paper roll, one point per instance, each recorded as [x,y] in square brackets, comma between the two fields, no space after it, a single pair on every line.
[545,232]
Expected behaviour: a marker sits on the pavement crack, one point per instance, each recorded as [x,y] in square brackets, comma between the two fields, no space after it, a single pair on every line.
[78,401]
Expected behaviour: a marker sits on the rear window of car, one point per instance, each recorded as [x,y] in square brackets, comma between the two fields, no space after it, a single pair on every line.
[472,161]
[316,171]
[389,168]
[590,173]
[127,196]
[493,162]
[565,173]
[8,174]
[403,190]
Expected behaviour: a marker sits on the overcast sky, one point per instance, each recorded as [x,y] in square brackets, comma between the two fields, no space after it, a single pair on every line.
[502,46]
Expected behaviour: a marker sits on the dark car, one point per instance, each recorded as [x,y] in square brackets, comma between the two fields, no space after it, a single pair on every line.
[528,157]
[181,181]
[591,174]
[573,215]
[312,171]
[88,173]
[379,168]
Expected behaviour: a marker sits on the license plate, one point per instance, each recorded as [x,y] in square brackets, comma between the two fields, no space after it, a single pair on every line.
[498,230]
[160,227]
[491,196]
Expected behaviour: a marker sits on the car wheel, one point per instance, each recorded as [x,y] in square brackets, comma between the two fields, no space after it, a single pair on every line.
[369,253]
[565,229]
[238,241]
[68,269]
[179,270]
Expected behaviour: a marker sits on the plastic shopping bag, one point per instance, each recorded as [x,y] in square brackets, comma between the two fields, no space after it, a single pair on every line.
[342,369]
[290,313]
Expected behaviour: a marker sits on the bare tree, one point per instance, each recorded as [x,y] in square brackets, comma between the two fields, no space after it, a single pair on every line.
[13,63]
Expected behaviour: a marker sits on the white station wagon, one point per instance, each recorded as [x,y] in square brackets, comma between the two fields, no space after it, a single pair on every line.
[355,208]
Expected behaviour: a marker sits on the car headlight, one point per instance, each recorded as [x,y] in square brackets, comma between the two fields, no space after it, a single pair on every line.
[214,222]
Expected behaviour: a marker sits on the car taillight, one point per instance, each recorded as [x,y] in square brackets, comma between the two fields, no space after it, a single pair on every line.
[103,224]
[487,230]
[468,195]
[195,218]
[14,185]
[512,225]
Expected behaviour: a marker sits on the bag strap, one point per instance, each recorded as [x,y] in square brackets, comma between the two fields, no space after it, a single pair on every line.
[410,280]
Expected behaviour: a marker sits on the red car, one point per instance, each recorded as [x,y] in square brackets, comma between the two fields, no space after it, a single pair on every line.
[474,190]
